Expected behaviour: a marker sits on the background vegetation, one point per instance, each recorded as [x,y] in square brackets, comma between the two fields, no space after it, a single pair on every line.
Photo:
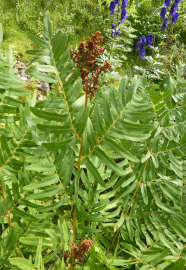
[82,18]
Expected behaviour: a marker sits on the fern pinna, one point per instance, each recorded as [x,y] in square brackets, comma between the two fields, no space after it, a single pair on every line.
[109,175]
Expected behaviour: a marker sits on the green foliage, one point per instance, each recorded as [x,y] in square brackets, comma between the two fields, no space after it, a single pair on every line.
[128,194]
[74,17]
[82,18]
[165,54]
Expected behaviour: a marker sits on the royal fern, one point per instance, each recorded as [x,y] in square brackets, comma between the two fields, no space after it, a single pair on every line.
[112,171]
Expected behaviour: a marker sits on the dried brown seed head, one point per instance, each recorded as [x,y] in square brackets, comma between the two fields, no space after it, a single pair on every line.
[85,58]
[78,252]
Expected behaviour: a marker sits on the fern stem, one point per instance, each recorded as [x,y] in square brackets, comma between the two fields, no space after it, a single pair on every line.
[129,206]
[145,263]
[86,95]
[74,215]
[107,131]
[135,192]
[78,168]
[74,224]
[82,137]
[79,157]
[134,195]
[74,240]
[115,237]
[58,89]
[147,249]
[14,151]
[179,255]
[60,84]
[72,264]
[5,201]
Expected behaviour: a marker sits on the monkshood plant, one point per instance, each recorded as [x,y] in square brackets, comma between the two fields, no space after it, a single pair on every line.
[90,181]
[172,13]
[141,44]
[159,64]
[118,8]
[122,35]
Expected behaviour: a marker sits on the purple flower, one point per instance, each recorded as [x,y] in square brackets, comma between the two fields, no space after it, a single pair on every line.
[177,1]
[142,53]
[144,39]
[164,25]
[173,9]
[141,43]
[125,4]
[112,34]
[123,15]
[112,7]
[149,40]
[175,17]
[167,3]
[163,13]
[118,32]
[141,46]
[123,7]
[113,26]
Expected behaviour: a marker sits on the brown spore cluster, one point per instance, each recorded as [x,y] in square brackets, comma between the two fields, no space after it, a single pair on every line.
[86,59]
[77,252]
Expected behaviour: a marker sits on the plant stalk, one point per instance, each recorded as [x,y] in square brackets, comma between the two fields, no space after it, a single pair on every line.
[78,168]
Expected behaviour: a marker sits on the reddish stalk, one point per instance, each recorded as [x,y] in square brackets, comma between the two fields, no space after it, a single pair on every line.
[78,168]
[85,58]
